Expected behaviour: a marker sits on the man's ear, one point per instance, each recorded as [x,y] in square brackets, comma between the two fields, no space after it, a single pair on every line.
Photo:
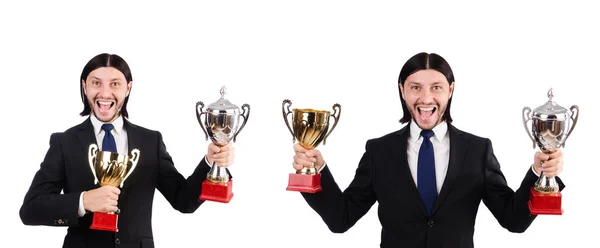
[401,90]
[83,86]
[128,88]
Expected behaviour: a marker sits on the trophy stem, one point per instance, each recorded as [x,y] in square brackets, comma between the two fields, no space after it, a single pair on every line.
[217,174]
[546,185]
[308,170]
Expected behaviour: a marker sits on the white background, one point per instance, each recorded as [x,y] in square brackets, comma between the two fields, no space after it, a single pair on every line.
[316,53]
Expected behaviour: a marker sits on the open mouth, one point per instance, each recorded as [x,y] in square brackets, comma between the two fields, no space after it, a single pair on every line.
[104,105]
[426,112]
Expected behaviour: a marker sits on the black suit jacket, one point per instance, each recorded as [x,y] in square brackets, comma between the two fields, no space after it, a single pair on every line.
[66,168]
[383,175]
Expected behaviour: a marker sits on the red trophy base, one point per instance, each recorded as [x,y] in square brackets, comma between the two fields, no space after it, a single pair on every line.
[216,192]
[304,183]
[545,203]
[105,222]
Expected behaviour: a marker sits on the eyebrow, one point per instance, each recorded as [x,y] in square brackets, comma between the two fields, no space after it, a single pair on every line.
[114,79]
[419,83]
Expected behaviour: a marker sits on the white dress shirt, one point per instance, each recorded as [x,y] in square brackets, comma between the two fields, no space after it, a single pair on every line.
[441,150]
[118,132]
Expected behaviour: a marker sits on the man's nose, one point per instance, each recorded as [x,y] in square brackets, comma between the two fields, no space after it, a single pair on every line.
[426,95]
[105,91]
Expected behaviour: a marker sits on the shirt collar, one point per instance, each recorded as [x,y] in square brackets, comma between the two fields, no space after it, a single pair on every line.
[117,123]
[439,131]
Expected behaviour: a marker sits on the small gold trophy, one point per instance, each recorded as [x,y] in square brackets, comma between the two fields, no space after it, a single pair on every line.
[112,169]
[309,127]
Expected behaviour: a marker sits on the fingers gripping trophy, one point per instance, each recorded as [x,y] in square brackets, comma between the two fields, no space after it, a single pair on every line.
[222,124]
[309,127]
[550,127]
[110,168]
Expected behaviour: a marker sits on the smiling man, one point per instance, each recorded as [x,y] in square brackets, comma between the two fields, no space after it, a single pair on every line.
[63,192]
[429,177]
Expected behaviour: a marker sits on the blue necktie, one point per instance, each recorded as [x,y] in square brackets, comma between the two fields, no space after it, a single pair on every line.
[108,143]
[426,172]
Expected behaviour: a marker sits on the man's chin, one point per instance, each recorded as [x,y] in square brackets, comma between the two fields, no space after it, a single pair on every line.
[427,125]
[106,118]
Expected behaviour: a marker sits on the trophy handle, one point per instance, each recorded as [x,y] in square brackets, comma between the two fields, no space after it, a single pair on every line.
[134,160]
[285,116]
[92,154]
[337,108]
[199,113]
[574,112]
[245,114]
[527,118]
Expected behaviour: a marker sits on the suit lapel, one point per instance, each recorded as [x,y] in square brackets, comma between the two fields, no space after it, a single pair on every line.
[133,137]
[457,156]
[134,141]
[86,136]
[401,160]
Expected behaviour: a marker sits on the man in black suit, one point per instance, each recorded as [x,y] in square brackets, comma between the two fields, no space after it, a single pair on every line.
[429,177]
[106,83]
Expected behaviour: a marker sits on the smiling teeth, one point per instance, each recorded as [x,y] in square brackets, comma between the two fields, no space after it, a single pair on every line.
[427,109]
[105,103]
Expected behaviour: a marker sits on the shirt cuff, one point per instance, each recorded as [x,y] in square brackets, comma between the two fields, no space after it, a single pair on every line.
[532,169]
[322,167]
[206,160]
[81,209]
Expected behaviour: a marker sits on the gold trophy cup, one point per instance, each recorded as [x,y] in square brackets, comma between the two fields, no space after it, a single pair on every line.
[309,127]
[112,169]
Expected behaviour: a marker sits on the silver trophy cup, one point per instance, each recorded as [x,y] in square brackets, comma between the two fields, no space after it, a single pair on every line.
[222,124]
[550,127]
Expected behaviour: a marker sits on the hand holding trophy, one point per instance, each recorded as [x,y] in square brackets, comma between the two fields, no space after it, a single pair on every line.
[110,168]
[550,127]
[222,124]
[309,127]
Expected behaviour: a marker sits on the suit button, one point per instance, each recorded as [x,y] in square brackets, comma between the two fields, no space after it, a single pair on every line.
[60,221]
[430,223]
[117,241]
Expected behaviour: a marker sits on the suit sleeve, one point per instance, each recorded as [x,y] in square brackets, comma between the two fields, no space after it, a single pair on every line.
[508,207]
[341,210]
[44,204]
[181,193]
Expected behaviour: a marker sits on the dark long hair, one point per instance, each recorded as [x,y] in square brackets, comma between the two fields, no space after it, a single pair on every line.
[104,60]
[424,61]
